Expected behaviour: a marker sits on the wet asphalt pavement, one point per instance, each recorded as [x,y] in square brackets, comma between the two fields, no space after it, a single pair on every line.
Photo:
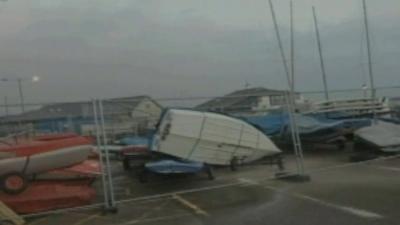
[339,193]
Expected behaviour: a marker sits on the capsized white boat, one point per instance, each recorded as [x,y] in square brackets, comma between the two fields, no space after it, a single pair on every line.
[210,138]
[383,135]
[45,161]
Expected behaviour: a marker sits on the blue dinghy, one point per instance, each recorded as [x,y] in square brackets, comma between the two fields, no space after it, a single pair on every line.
[174,167]
[169,166]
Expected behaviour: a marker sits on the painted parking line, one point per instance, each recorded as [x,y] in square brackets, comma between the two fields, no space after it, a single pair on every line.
[355,211]
[351,210]
[144,216]
[101,216]
[158,219]
[248,182]
[351,164]
[190,205]
[347,209]
[38,221]
[395,169]
[87,219]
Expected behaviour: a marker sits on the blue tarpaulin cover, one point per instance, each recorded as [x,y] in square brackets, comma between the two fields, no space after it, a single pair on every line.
[173,166]
[134,140]
[275,124]
[351,123]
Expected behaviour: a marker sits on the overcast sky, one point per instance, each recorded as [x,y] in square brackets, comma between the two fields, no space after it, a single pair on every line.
[167,48]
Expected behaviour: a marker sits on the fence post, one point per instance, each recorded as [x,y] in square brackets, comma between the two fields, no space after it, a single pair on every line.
[109,174]
[98,141]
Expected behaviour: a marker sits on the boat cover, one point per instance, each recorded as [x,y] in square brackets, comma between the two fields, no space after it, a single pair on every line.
[349,123]
[382,134]
[47,145]
[135,140]
[275,124]
[174,166]
[271,125]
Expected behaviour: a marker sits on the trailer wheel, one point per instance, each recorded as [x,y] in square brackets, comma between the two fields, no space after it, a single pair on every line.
[279,162]
[143,175]
[119,156]
[234,163]
[126,164]
[341,145]
[210,174]
[13,183]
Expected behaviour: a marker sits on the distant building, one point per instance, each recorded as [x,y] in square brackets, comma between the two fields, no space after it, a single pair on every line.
[130,114]
[251,101]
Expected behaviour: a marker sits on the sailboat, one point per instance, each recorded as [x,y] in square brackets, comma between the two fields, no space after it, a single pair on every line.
[210,138]
[348,108]
[381,136]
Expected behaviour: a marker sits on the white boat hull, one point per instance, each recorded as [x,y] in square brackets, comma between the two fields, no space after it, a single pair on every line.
[46,161]
[210,138]
[352,107]
[384,135]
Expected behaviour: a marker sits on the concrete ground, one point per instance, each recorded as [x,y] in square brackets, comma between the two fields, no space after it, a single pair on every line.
[339,193]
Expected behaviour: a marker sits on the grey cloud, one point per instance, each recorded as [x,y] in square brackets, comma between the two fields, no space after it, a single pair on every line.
[85,49]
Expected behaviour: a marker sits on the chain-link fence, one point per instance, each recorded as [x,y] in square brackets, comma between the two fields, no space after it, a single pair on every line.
[49,158]
[121,130]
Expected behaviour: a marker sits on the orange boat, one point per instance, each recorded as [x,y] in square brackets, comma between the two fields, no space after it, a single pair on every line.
[50,195]
[45,153]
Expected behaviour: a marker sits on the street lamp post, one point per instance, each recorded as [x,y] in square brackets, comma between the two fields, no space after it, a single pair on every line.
[20,90]
[21,94]
[6,105]
[364,87]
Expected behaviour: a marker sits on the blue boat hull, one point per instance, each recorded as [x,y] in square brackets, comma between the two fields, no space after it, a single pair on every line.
[174,167]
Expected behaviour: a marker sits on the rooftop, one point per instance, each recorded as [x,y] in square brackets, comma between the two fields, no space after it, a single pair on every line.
[83,109]
[244,97]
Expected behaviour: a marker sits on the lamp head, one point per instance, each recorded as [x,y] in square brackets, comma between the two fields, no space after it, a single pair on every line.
[35,79]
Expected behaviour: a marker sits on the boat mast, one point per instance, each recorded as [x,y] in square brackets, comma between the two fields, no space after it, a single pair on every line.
[370,71]
[291,103]
[291,47]
[321,58]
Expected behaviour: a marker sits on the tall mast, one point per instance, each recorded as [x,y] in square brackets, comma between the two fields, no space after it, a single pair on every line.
[278,37]
[297,140]
[291,47]
[291,101]
[321,58]
[370,71]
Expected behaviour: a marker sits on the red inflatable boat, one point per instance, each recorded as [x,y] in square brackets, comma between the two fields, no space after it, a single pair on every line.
[45,153]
